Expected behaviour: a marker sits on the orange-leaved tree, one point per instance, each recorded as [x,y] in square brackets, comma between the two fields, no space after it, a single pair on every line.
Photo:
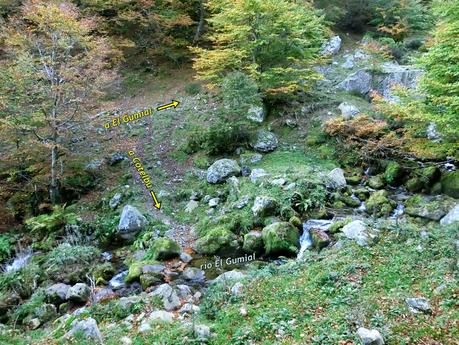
[54,68]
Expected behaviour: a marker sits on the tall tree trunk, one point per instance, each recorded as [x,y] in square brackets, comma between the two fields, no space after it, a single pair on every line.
[200,27]
[54,188]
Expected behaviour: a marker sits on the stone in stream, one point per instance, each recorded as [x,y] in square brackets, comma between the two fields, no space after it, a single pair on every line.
[131,222]
[336,179]
[281,238]
[370,336]
[221,170]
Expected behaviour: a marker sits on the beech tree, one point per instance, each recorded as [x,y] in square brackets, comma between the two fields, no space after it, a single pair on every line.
[275,42]
[54,70]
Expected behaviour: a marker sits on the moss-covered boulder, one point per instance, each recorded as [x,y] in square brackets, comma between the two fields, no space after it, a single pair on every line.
[362,193]
[218,240]
[103,272]
[376,182]
[338,225]
[350,201]
[264,206]
[163,249]
[450,184]
[320,239]
[393,173]
[414,184]
[379,204]
[281,238]
[428,207]
[136,270]
[295,221]
[253,242]
[430,174]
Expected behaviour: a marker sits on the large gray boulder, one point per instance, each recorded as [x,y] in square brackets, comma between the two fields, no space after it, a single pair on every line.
[331,47]
[221,170]
[264,141]
[79,293]
[336,179]
[451,217]
[57,293]
[87,327]
[358,231]
[233,276]
[370,336]
[418,304]
[131,222]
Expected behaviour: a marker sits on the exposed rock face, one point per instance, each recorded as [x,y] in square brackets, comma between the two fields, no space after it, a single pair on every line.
[348,111]
[131,222]
[57,293]
[451,217]
[336,178]
[331,47]
[320,238]
[87,327]
[358,82]
[370,336]
[281,238]
[45,313]
[256,113]
[264,141]
[357,231]
[222,170]
[79,293]
[364,81]
[264,206]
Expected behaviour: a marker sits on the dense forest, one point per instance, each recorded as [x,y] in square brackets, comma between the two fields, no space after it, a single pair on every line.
[229,172]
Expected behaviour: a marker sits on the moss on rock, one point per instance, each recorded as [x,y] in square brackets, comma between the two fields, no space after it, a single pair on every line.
[218,240]
[281,238]
[253,242]
[450,184]
[393,173]
[163,249]
[379,204]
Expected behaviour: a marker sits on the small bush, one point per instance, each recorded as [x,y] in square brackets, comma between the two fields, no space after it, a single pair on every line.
[239,91]
[192,89]
[49,223]
[5,247]
[23,281]
[222,137]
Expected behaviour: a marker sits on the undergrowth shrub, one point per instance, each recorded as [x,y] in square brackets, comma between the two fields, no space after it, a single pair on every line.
[6,247]
[53,222]
[23,281]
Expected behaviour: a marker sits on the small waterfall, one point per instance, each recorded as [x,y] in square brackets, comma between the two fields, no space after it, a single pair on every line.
[362,207]
[21,260]
[399,210]
[117,281]
[306,239]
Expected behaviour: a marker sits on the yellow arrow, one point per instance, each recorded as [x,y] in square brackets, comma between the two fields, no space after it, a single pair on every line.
[157,203]
[169,105]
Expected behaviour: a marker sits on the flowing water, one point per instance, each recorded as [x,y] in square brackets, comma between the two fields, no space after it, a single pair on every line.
[306,239]
[21,260]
